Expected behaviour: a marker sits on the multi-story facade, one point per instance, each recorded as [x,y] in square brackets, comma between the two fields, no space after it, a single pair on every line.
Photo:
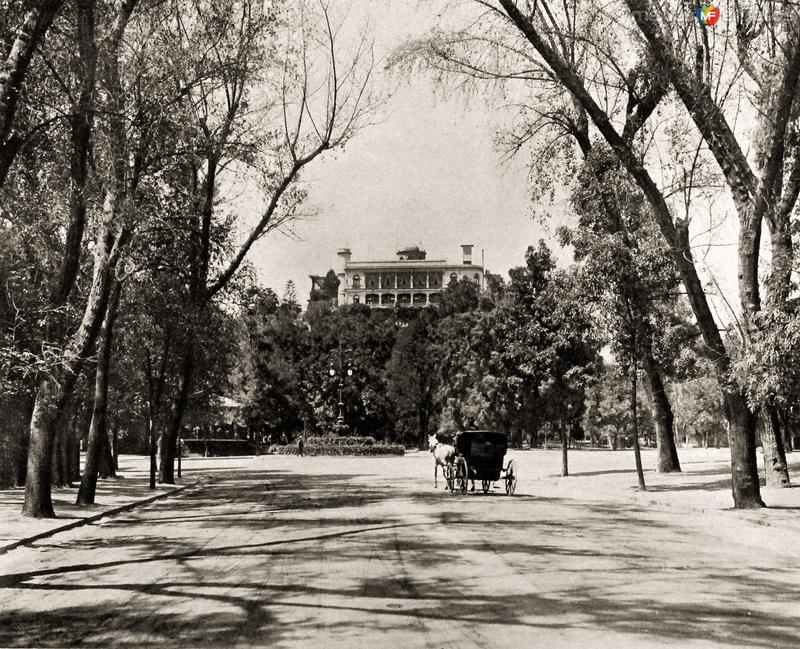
[411,280]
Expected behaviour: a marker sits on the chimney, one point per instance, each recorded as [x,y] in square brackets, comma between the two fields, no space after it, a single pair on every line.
[467,250]
[341,271]
[345,254]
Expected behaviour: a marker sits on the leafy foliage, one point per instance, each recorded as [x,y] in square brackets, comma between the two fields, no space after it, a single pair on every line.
[411,375]
[607,418]
[343,449]
[517,365]
[699,415]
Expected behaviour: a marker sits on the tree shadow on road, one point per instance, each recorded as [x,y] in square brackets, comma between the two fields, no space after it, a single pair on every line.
[176,574]
[715,485]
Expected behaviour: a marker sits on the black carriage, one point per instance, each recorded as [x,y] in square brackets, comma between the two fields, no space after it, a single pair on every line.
[479,456]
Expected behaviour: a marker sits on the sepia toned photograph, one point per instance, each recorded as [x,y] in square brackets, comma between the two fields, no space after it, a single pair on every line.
[406,324]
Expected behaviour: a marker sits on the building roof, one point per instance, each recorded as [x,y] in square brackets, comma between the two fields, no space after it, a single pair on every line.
[416,263]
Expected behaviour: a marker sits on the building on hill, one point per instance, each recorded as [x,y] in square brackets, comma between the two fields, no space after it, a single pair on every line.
[324,290]
[410,280]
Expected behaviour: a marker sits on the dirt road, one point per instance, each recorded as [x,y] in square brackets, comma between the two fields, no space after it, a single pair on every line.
[311,552]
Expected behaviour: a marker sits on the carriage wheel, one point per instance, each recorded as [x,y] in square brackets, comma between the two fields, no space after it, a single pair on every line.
[485,484]
[462,475]
[511,478]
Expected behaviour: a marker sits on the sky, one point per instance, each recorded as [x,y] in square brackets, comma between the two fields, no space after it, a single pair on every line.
[428,174]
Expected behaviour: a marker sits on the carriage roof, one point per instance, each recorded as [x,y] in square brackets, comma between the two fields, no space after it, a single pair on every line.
[487,445]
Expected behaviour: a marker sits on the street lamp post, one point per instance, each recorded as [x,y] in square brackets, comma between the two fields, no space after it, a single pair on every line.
[340,370]
[565,434]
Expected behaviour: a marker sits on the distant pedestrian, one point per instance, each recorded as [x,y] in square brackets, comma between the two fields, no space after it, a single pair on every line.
[300,445]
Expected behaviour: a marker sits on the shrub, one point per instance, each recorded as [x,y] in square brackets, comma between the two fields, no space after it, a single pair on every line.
[332,440]
[343,449]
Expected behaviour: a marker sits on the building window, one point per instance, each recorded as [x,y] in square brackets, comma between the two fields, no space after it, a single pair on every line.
[477,278]
[387,280]
[357,281]
[420,279]
[373,280]
[372,298]
[403,280]
[419,298]
[404,298]
[356,299]
[387,298]
[435,280]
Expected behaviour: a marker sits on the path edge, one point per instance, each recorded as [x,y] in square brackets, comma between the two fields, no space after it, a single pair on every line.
[90,519]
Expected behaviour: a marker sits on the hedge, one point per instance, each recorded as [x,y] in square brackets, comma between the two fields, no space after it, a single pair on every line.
[332,440]
[343,449]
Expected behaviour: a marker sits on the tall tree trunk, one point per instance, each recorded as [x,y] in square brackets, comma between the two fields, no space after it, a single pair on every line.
[755,198]
[98,447]
[21,447]
[564,458]
[73,451]
[46,412]
[57,459]
[744,468]
[786,429]
[662,416]
[637,454]
[66,448]
[5,460]
[17,409]
[423,418]
[60,458]
[155,388]
[151,436]
[7,443]
[106,465]
[81,121]
[741,423]
[98,435]
[115,448]
[742,439]
[55,389]
[179,450]
[169,436]
[772,446]
[779,283]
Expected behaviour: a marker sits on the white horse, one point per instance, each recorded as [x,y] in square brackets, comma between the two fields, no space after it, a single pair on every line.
[443,454]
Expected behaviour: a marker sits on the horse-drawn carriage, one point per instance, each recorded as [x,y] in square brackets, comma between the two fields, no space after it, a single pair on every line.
[474,455]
